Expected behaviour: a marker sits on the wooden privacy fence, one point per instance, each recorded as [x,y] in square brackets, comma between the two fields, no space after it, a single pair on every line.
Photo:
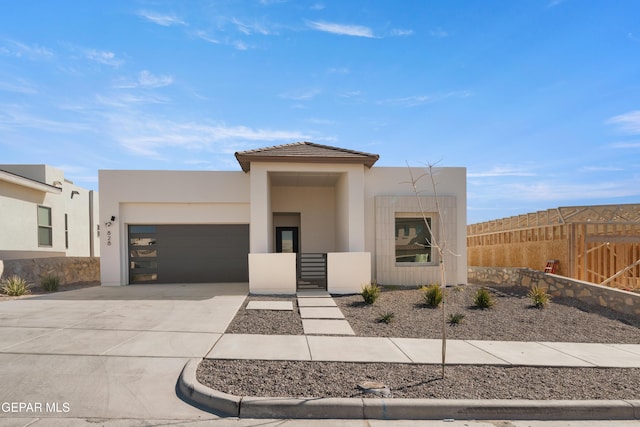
[606,254]
[597,244]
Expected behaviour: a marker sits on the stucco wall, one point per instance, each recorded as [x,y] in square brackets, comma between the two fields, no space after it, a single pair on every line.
[19,204]
[395,182]
[163,197]
[272,273]
[316,206]
[348,272]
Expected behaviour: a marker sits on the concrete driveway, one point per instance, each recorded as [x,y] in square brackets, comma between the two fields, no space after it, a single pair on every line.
[108,352]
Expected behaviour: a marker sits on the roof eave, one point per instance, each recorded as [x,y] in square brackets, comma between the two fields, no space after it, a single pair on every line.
[245,160]
[28,183]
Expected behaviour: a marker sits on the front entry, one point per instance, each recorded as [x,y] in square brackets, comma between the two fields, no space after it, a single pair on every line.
[311,268]
[287,240]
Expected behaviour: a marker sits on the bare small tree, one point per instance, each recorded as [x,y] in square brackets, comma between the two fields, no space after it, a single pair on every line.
[439,244]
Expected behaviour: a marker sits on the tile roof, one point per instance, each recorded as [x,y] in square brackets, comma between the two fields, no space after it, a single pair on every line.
[304,152]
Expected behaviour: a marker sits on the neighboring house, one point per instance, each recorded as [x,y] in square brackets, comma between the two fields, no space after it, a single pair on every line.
[297,216]
[45,215]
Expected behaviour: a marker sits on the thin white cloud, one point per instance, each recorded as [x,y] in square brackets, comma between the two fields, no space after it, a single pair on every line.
[554,3]
[149,136]
[628,144]
[302,95]
[317,6]
[145,79]
[23,50]
[401,32]
[627,123]
[14,117]
[251,28]
[239,44]
[500,171]
[350,94]
[125,100]
[166,20]
[601,169]
[339,70]
[417,100]
[439,33]
[555,191]
[319,121]
[18,85]
[341,29]
[103,57]
[206,37]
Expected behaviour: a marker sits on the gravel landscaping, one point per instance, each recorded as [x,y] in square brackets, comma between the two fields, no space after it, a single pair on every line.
[511,319]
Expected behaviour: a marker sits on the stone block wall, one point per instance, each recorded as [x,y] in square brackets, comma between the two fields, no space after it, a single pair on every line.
[68,269]
[615,299]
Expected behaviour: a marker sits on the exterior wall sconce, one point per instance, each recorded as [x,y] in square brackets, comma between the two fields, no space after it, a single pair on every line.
[74,192]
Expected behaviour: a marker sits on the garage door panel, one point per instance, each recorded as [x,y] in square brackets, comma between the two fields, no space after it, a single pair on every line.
[202,253]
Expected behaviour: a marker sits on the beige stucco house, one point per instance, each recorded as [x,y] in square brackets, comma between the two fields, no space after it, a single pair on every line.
[296,216]
[45,215]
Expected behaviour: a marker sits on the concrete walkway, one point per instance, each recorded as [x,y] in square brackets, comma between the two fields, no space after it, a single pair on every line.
[321,316]
[424,351]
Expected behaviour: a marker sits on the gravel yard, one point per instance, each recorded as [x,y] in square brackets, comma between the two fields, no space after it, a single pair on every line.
[511,319]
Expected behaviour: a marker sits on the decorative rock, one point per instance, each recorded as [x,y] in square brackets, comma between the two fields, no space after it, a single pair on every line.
[372,387]
[624,302]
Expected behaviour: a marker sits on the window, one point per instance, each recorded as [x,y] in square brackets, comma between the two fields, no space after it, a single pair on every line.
[45,229]
[413,240]
[66,231]
[143,253]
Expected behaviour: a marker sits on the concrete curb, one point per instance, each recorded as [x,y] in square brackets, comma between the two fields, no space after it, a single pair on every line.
[399,409]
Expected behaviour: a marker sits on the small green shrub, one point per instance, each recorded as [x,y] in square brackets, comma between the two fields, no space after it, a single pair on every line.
[457,289]
[483,299]
[539,297]
[15,286]
[50,283]
[432,295]
[455,318]
[386,317]
[370,293]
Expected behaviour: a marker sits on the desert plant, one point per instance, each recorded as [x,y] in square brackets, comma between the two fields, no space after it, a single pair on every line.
[15,286]
[50,283]
[386,317]
[539,297]
[483,299]
[432,295]
[370,293]
[455,318]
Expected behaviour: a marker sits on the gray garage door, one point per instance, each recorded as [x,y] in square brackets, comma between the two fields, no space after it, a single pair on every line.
[188,253]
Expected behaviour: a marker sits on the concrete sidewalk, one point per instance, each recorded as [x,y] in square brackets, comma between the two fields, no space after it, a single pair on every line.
[424,351]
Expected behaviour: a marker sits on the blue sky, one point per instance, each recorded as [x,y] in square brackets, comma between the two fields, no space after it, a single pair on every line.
[538,99]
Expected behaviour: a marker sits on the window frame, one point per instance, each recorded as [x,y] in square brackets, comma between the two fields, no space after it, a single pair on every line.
[66,231]
[404,224]
[48,227]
